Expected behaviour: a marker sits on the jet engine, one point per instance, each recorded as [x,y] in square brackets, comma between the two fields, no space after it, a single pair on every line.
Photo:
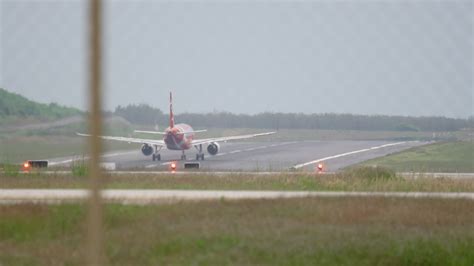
[147,150]
[213,148]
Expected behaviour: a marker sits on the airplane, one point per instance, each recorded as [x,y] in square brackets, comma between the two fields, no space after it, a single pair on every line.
[178,137]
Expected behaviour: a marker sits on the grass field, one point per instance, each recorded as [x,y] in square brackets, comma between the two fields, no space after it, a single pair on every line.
[346,231]
[353,180]
[439,157]
[34,140]
[20,148]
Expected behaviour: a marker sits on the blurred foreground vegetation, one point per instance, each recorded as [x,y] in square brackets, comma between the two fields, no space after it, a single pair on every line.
[359,179]
[307,231]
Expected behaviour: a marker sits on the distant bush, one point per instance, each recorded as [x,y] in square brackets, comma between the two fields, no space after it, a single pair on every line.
[405,127]
[142,114]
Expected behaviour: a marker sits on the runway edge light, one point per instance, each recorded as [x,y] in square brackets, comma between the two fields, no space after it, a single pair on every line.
[173,166]
[27,165]
[320,167]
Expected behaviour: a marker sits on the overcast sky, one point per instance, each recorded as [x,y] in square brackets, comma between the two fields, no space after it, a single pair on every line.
[363,57]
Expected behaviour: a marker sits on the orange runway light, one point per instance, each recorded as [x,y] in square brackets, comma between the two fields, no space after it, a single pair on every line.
[173,166]
[320,167]
[26,166]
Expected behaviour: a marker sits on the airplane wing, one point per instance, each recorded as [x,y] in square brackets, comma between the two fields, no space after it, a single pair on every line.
[151,142]
[206,141]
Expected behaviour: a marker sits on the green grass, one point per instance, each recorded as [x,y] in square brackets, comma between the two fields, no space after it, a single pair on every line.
[80,168]
[11,170]
[319,231]
[438,157]
[353,180]
[17,149]
[112,126]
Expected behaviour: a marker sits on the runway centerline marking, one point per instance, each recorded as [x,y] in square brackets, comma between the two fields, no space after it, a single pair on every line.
[346,154]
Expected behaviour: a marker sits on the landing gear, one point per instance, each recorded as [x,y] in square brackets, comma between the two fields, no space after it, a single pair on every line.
[156,155]
[200,154]
[183,156]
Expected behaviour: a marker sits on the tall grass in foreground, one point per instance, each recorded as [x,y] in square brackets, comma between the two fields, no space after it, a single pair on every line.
[351,180]
[307,231]
[11,170]
[369,173]
[79,168]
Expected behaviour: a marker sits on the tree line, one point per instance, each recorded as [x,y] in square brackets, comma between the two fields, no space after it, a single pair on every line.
[144,114]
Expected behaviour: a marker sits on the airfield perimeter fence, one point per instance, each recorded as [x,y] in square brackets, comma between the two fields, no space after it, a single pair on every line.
[95,239]
[37,36]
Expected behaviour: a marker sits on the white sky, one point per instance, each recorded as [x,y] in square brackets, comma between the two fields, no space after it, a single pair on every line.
[364,57]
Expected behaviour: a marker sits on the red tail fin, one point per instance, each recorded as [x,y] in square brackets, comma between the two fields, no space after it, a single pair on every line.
[171,111]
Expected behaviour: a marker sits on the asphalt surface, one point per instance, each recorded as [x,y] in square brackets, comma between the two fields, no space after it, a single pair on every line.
[261,156]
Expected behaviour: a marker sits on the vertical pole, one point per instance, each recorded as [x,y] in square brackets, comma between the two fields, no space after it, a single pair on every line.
[95,243]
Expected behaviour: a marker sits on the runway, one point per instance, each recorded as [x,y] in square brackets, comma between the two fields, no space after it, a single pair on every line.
[261,156]
[156,196]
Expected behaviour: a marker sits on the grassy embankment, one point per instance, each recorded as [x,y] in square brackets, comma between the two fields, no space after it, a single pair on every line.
[31,130]
[15,150]
[319,231]
[51,142]
[16,109]
[455,157]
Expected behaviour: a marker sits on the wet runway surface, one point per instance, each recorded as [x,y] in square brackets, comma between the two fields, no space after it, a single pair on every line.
[261,156]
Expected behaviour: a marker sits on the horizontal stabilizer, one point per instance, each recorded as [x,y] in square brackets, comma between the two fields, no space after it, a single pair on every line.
[150,132]
[164,133]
